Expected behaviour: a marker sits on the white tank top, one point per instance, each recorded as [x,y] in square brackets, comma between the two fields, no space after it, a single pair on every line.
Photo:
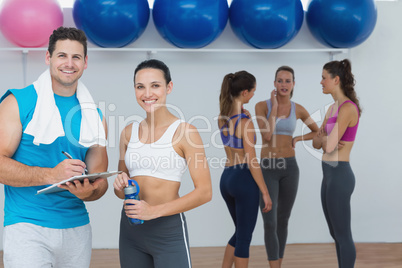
[157,159]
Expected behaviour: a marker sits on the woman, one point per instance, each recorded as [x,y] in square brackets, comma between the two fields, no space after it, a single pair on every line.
[156,152]
[336,138]
[276,119]
[242,179]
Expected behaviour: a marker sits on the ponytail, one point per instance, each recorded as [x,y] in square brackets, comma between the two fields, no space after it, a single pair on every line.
[232,86]
[225,99]
[343,69]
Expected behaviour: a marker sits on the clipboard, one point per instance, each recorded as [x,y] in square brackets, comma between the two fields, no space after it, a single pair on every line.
[54,189]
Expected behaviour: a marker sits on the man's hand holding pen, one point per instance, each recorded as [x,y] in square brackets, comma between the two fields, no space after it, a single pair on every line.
[70,157]
[69,168]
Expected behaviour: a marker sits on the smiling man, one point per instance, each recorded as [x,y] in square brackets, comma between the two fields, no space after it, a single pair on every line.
[56,113]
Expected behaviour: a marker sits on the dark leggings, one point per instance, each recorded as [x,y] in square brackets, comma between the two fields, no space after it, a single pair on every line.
[282,178]
[158,243]
[337,188]
[241,195]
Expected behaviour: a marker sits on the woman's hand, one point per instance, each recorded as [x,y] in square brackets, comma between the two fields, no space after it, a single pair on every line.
[139,209]
[246,112]
[267,202]
[321,133]
[295,140]
[274,100]
[340,145]
[121,182]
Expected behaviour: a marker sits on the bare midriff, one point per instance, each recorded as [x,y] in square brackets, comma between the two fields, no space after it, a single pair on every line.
[157,191]
[342,154]
[280,146]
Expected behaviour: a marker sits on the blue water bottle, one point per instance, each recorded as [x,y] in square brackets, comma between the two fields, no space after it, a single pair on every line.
[131,192]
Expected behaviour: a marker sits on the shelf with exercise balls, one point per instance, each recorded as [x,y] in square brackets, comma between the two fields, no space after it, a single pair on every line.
[187,26]
[190,23]
[114,24]
[341,23]
[29,23]
[266,24]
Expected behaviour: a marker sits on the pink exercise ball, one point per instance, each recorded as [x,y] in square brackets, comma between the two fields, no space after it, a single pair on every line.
[29,23]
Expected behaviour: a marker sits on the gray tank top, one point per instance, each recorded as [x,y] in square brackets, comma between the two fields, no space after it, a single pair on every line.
[284,126]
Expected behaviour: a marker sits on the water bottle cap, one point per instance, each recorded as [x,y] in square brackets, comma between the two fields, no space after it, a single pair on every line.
[132,187]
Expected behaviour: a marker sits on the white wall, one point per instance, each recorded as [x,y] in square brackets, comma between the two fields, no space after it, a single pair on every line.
[376,202]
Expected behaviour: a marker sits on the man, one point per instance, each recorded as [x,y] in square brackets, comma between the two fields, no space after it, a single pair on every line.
[54,114]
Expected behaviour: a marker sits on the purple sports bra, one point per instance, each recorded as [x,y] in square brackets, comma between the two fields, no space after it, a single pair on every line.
[350,132]
[232,140]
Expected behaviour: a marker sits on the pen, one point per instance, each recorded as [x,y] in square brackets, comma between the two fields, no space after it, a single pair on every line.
[70,157]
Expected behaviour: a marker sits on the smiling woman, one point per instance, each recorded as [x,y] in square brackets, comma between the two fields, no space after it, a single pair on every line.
[169,147]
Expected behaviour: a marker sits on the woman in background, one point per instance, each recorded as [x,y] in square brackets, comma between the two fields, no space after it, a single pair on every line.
[156,152]
[241,181]
[276,118]
[336,138]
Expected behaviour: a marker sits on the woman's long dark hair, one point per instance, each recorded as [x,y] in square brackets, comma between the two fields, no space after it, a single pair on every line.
[343,69]
[232,86]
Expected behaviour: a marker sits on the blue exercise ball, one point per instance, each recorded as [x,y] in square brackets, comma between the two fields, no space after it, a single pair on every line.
[190,23]
[114,23]
[341,23]
[266,23]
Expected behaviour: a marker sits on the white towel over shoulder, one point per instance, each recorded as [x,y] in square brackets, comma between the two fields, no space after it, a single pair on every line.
[46,125]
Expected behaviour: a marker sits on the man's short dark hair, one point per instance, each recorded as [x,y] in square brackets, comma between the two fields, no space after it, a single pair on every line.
[67,33]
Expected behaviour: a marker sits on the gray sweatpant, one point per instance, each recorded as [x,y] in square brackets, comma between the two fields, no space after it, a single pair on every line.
[33,246]
[282,178]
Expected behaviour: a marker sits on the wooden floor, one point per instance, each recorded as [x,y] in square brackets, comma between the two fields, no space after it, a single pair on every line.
[369,255]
